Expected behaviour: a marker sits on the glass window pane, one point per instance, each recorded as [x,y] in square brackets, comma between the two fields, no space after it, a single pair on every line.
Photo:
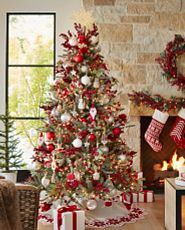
[31,39]
[27,87]
[28,131]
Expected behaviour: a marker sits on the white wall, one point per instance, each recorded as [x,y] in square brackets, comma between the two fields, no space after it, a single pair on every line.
[64,10]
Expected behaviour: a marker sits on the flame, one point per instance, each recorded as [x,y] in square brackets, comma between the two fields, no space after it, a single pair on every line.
[165,166]
[176,163]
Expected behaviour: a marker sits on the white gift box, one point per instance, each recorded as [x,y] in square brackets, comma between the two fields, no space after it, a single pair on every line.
[146,196]
[68,220]
[132,197]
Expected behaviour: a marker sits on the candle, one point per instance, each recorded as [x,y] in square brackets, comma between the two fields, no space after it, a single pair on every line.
[182,172]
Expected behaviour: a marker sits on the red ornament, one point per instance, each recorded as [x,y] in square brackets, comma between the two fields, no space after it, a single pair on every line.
[70,177]
[50,135]
[83,133]
[116,131]
[78,58]
[50,147]
[66,79]
[81,39]
[83,50]
[123,117]
[108,203]
[91,137]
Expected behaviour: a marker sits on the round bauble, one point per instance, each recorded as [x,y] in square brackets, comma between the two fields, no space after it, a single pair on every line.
[122,157]
[45,182]
[83,50]
[85,80]
[78,58]
[91,137]
[77,143]
[50,135]
[108,203]
[81,39]
[70,177]
[110,119]
[94,40]
[65,117]
[91,204]
[96,176]
[84,69]
[73,42]
[123,117]
[50,147]
[116,131]
[104,149]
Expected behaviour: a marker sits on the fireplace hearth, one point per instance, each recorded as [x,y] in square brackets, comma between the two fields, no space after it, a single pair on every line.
[156,166]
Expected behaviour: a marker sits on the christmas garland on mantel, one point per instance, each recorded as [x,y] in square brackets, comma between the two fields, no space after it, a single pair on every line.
[156,101]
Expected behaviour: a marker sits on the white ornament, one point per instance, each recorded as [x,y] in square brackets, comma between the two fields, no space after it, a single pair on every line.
[94,40]
[77,175]
[96,84]
[81,104]
[111,119]
[73,72]
[96,176]
[86,144]
[105,149]
[85,80]
[122,157]
[84,69]
[45,182]
[65,117]
[91,204]
[93,112]
[54,112]
[77,143]
[73,42]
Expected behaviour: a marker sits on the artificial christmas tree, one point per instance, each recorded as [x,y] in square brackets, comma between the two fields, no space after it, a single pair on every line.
[82,157]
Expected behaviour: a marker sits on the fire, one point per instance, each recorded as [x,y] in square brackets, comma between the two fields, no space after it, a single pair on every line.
[175,163]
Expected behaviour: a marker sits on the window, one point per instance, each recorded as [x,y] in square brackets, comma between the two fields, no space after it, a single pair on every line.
[29,67]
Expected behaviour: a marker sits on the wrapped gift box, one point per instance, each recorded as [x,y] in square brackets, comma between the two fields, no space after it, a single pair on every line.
[146,196]
[68,218]
[132,197]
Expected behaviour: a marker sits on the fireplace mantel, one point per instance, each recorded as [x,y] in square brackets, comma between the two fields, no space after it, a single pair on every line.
[141,110]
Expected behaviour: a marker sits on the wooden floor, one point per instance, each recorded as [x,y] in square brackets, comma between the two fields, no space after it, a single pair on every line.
[154,220]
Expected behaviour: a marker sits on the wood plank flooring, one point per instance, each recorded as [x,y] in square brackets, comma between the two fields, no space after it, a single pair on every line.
[154,220]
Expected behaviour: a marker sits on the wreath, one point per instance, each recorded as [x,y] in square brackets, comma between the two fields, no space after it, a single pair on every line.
[167,61]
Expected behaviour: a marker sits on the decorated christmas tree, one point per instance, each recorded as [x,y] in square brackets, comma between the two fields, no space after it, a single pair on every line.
[82,157]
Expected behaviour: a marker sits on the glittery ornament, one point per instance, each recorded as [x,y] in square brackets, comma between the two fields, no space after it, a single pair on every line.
[84,69]
[77,143]
[85,80]
[65,117]
[91,204]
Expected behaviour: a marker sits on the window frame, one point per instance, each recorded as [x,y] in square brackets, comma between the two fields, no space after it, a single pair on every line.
[26,65]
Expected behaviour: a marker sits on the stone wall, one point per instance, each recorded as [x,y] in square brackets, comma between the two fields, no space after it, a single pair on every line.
[132,34]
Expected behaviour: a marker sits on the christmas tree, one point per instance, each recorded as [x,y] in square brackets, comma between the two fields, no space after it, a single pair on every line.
[82,156]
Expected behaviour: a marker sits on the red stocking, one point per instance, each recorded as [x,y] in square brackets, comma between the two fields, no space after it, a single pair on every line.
[155,128]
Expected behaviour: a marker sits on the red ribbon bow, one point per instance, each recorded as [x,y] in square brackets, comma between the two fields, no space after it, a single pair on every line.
[72,209]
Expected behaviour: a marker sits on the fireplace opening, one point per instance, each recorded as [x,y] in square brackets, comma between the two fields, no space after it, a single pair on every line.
[157,166]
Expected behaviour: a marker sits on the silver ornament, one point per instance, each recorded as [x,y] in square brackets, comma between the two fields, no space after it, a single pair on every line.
[91,204]
[65,117]
[77,143]
[84,69]
[85,80]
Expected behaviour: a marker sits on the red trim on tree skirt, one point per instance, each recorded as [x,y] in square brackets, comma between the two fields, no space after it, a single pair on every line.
[134,215]
[167,61]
